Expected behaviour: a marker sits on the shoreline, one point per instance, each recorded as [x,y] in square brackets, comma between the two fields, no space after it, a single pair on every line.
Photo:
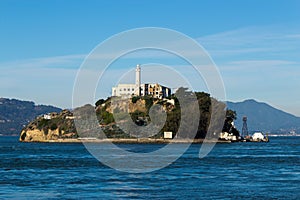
[129,141]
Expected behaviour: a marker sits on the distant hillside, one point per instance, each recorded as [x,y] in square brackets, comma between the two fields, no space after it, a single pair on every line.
[264,117]
[14,114]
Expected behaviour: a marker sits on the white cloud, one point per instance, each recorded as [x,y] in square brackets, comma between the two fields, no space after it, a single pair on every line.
[253,42]
[66,61]
[293,36]
[255,62]
[47,80]
[253,65]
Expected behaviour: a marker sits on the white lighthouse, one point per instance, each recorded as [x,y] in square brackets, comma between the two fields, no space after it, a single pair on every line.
[138,80]
[138,89]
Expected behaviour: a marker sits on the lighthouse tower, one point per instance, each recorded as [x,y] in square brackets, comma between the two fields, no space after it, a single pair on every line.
[138,80]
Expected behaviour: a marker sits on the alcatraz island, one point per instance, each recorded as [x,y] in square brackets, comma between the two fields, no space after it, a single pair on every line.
[136,101]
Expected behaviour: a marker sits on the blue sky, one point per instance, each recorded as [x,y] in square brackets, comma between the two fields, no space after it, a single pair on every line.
[255,44]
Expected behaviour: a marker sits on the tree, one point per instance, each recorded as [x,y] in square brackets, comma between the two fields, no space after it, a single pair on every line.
[99,102]
[228,127]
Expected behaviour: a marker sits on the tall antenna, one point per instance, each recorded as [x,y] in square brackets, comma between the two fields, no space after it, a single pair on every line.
[245,128]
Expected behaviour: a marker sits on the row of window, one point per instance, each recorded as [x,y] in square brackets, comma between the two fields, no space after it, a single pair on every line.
[132,89]
[153,93]
[126,89]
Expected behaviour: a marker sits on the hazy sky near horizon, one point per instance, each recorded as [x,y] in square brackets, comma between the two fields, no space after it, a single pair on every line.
[255,44]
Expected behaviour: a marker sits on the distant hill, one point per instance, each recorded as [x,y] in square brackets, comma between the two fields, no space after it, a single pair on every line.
[14,114]
[264,117]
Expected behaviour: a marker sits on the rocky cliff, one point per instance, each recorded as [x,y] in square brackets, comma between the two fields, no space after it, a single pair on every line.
[51,126]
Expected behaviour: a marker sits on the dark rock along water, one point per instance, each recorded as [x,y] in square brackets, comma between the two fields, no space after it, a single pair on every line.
[231,171]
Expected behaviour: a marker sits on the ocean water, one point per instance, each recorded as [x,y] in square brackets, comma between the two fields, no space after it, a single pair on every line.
[231,171]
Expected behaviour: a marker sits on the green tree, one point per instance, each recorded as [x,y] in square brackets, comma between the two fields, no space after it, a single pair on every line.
[99,102]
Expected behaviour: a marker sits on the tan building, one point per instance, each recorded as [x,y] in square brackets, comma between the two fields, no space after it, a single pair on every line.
[155,90]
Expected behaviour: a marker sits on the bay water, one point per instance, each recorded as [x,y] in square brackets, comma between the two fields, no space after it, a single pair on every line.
[230,171]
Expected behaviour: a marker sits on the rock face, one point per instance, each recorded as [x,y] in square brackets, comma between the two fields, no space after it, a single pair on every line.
[39,135]
[51,126]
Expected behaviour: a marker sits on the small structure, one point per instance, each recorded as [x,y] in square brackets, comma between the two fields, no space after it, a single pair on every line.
[47,116]
[227,136]
[171,101]
[245,128]
[70,117]
[168,135]
[258,136]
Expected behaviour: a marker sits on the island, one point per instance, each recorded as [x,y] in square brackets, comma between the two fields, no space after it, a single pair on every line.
[61,127]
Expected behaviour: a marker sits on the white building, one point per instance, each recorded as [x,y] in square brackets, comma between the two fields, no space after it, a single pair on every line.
[227,136]
[168,135]
[257,136]
[153,89]
[47,116]
[124,90]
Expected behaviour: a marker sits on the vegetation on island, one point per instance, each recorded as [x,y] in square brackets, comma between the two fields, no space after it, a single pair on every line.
[50,127]
[116,109]
[140,114]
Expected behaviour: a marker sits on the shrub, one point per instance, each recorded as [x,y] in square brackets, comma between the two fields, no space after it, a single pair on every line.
[53,126]
[135,99]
